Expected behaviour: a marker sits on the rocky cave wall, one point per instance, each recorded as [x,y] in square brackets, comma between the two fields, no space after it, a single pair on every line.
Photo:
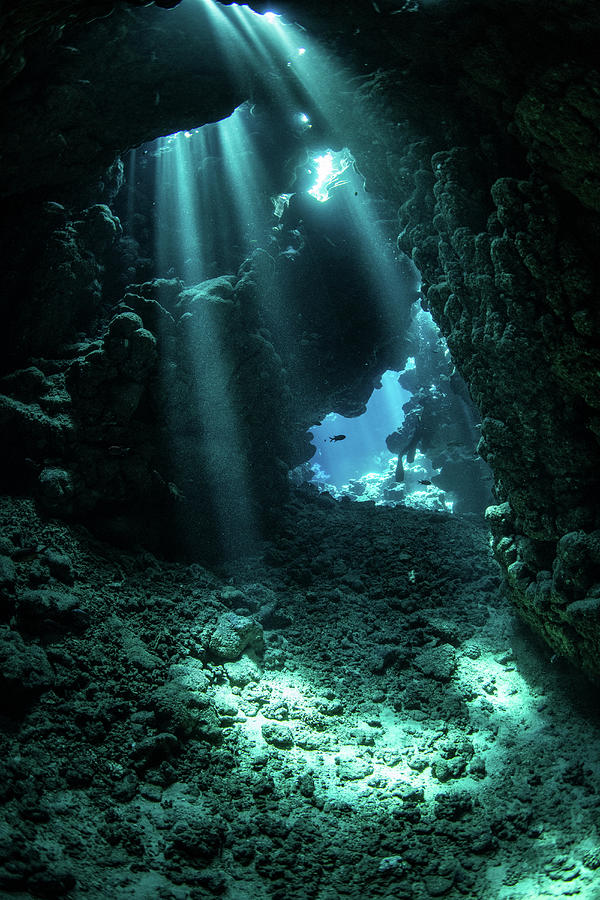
[499,209]
[488,150]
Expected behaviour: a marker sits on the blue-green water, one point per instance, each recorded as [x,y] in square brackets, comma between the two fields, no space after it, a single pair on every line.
[363,448]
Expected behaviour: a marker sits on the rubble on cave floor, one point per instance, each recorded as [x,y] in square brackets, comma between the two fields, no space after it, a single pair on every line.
[357,713]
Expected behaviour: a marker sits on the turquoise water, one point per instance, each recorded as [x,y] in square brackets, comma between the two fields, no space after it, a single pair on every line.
[363,448]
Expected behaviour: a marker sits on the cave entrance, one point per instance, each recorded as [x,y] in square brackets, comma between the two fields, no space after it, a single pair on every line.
[351,458]
[288,297]
[414,445]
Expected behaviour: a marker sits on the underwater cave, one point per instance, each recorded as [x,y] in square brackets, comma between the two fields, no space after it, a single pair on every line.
[299,392]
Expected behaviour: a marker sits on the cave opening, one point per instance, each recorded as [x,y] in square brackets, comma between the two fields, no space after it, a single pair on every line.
[260,195]
[363,450]
[212,207]
[415,443]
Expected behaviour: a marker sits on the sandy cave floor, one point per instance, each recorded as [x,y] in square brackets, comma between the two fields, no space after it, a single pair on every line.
[358,713]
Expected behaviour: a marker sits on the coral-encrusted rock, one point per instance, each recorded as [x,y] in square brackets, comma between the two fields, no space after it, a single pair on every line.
[277,735]
[182,704]
[130,347]
[509,289]
[32,431]
[24,670]
[26,385]
[438,662]
[561,605]
[233,635]
[56,490]
[155,315]
[35,412]
[197,838]
[41,611]
[61,275]
[577,563]
[8,573]
[559,120]
[99,228]
[243,671]
[60,566]
[108,382]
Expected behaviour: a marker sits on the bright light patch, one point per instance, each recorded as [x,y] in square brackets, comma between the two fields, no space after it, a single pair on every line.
[280,204]
[301,51]
[324,171]
[169,142]
[271,17]
[302,122]
[329,169]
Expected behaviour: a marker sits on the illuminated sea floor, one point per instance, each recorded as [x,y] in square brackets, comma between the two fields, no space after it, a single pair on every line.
[356,714]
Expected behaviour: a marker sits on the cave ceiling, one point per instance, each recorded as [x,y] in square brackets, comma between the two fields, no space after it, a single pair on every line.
[94,80]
